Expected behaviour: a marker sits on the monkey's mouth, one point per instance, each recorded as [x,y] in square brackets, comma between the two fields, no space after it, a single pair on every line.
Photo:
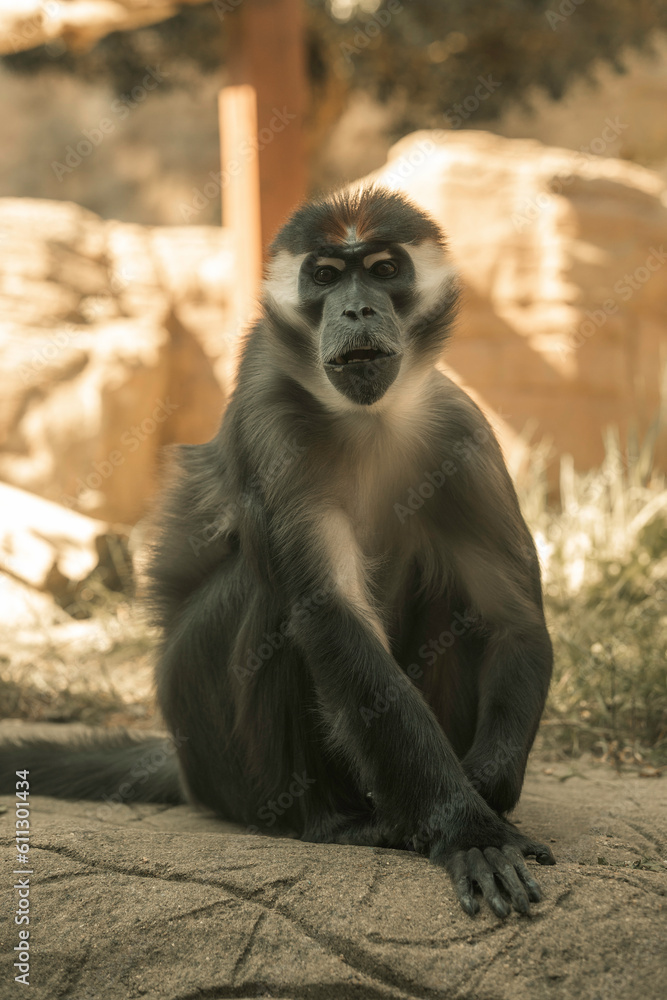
[363,373]
[359,354]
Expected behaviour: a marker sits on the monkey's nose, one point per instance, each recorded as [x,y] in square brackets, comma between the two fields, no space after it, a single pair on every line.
[364,311]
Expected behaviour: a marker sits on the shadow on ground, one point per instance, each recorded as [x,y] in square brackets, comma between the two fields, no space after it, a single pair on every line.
[145,901]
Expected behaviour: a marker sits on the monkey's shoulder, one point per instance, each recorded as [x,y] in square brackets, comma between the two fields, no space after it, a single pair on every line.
[457,423]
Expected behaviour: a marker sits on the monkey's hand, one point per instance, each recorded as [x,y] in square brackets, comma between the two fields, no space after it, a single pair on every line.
[488,852]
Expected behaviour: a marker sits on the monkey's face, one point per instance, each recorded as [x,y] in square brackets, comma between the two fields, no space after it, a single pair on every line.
[352,295]
[360,288]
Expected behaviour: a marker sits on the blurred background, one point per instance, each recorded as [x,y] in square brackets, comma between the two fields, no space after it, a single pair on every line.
[149,150]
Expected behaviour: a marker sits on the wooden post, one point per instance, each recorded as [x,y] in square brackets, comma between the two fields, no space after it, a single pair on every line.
[263,160]
[240,192]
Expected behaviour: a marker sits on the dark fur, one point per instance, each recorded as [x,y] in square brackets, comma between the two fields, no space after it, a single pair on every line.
[296,712]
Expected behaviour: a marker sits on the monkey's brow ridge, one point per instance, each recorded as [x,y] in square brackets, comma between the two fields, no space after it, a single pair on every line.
[350,250]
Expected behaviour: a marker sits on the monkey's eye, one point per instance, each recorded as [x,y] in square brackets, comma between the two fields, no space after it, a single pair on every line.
[325,275]
[384,269]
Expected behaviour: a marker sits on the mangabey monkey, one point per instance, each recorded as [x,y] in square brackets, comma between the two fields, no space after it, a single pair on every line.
[354,644]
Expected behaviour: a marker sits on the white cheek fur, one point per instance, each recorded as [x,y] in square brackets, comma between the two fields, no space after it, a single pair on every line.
[435,274]
[280,288]
[282,279]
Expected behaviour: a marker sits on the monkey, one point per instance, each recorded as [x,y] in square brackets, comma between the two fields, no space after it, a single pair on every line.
[354,648]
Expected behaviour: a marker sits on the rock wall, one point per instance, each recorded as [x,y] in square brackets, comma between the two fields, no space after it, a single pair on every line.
[564,257]
[115,340]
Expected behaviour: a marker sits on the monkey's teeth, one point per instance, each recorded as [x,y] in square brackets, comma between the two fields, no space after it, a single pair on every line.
[368,353]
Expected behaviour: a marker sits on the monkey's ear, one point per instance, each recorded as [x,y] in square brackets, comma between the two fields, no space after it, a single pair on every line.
[280,288]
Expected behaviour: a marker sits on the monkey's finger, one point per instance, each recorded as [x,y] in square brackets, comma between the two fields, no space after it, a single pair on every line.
[515,858]
[481,873]
[542,853]
[504,870]
[457,866]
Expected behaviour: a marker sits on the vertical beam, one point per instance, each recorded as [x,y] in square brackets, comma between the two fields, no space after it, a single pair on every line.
[267,51]
[240,192]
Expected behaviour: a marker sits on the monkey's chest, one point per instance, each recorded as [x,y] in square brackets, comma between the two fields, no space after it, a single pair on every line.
[392,517]
[385,540]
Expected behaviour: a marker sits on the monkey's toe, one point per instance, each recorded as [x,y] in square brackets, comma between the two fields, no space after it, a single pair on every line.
[540,852]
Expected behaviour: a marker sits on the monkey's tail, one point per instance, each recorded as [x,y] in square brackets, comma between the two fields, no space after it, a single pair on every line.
[115,766]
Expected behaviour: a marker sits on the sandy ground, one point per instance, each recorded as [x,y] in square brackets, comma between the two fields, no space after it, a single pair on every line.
[142,901]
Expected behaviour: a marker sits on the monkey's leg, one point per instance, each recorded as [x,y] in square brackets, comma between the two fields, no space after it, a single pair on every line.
[513,683]
[234,688]
[196,694]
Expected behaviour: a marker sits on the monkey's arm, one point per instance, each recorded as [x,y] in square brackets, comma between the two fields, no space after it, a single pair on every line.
[400,754]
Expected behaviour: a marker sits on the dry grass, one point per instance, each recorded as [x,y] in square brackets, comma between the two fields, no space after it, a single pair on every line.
[604,558]
[58,668]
